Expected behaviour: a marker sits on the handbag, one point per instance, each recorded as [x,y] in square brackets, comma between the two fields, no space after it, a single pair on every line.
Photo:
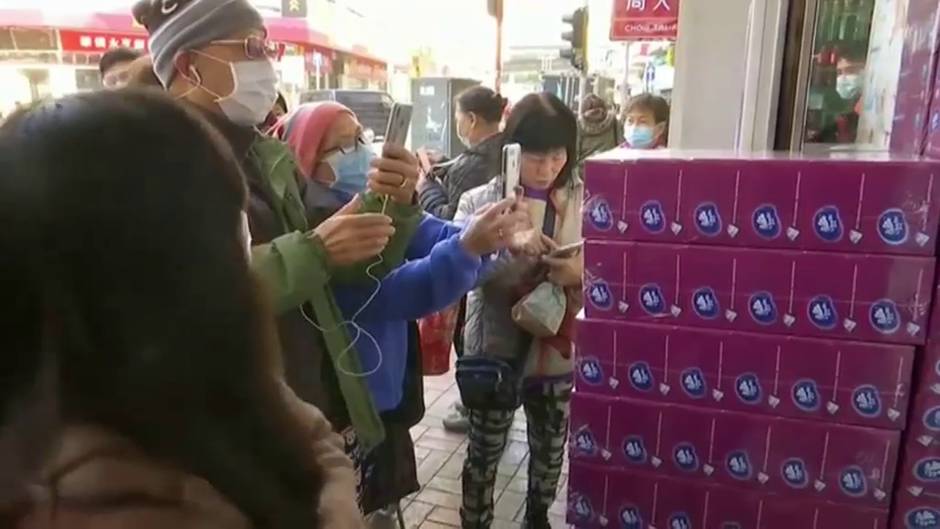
[494,384]
[437,338]
[541,311]
[488,383]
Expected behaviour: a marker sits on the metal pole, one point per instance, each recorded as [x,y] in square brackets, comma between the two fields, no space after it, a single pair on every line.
[582,90]
[499,47]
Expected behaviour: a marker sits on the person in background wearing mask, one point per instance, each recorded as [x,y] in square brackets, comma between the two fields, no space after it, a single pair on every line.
[599,130]
[646,122]
[115,67]
[443,264]
[214,55]
[850,82]
[478,115]
[547,131]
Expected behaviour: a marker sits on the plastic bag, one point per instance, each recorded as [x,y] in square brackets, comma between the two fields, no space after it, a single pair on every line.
[437,340]
[541,311]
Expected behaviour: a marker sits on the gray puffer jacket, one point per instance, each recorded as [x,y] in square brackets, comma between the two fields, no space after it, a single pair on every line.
[489,329]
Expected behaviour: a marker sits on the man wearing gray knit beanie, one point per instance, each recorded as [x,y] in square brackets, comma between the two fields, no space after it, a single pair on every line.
[213,53]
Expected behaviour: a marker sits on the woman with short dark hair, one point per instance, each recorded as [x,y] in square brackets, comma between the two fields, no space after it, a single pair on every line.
[547,132]
[136,337]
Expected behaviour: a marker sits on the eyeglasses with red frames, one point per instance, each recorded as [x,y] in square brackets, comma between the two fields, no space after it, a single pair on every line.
[256,47]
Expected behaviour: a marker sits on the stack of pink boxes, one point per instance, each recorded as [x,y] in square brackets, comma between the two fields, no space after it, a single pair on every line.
[746,353]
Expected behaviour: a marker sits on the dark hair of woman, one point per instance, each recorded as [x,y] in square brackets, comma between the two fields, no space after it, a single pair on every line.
[541,123]
[483,102]
[655,105]
[122,215]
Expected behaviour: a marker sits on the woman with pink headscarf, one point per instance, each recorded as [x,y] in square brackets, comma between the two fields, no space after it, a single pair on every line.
[442,261]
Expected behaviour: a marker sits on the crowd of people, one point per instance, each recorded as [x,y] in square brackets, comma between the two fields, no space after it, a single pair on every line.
[210,301]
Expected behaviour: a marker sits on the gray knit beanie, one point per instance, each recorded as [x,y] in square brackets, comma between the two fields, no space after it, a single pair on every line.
[180,25]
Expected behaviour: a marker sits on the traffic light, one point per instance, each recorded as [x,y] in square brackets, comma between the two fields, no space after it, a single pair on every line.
[576,52]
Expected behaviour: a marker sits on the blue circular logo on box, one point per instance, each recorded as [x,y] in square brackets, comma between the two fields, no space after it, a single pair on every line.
[693,383]
[652,299]
[641,377]
[822,312]
[585,443]
[867,401]
[763,309]
[806,395]
[739,465]
[591,371]
[932,419]
[794,473]
[928,470]
[936,368]
[885,317]
[827,224]
[685,457]
[705,303]
[600,296]
[852,481]
[708,219]
[766,222]
[634,449]
[630,518]
[680,520]
[922,518]
[893,227]
[582,509]
[652,217]
[748,388]
[600,215]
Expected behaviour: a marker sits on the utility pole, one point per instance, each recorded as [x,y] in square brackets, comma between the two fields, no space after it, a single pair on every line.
[495,8]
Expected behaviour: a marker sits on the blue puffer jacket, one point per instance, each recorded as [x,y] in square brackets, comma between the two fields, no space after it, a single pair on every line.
[436,274]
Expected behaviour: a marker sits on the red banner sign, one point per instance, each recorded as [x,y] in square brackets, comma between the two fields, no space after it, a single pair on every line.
[98,42]
[645,20]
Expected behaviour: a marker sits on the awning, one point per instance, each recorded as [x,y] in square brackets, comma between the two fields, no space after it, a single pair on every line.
[288,30]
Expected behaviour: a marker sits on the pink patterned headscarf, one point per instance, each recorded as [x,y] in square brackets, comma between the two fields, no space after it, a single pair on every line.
[304,128]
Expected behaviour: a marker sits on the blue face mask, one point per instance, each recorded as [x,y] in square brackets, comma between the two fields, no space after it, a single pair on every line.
[639,136]
[350,168]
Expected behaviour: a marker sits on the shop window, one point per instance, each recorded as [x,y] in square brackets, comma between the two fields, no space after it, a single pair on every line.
[33,39]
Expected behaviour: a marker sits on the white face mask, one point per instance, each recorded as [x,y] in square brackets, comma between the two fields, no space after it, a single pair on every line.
[254,92]
[849,86]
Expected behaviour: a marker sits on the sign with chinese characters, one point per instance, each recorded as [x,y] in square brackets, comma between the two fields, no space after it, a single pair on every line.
[645,20]
[98,42]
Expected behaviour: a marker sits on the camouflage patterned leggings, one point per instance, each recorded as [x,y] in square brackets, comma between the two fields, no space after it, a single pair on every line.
[546,408]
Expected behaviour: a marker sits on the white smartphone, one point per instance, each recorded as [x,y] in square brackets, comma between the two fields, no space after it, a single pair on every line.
[512,169]
[399,121]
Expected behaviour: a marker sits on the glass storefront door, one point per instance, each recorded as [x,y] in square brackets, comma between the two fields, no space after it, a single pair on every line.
[845,74]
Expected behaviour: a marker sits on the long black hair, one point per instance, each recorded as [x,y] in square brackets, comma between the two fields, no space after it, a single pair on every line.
[133,286]
[540,123]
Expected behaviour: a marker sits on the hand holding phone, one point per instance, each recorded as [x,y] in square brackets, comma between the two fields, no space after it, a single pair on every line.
[396,133]
[399,121]
[566,251]
[511,169]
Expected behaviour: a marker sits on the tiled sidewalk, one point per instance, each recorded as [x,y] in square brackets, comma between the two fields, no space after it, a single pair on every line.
[440,457]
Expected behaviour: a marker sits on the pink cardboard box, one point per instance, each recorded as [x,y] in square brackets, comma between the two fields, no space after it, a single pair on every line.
[915,513]
[799,459]
[601,497]
[845,382]
[846,296]
[860,203]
